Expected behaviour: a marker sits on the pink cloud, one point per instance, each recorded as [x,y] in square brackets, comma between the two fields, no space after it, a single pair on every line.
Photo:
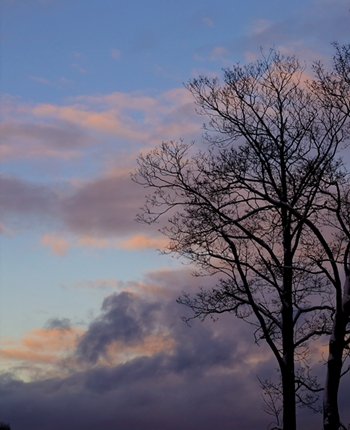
[41,80]
[85,212]
[115,54]
[93,242]
[57,245]
[208,21]
[40,352]
[114,113]
[140,242]
[218,52]
[67,131]
[117,352]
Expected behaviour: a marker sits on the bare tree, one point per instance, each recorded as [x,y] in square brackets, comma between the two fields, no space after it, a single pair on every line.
[251,208]
[333,89]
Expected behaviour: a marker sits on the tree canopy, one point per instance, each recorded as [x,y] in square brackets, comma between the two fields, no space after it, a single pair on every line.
[265,205]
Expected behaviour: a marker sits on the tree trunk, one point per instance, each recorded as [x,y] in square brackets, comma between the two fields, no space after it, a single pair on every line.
[287,370]
[289,409]
[331,417]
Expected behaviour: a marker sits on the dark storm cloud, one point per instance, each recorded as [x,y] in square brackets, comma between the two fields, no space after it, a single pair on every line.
[128,318]
[203,382]
[165,401]
[123,319]
[207,380]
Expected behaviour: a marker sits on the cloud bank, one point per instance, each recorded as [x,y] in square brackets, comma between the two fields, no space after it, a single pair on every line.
[137,365]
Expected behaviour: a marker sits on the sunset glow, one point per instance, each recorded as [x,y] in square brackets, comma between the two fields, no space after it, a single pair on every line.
[91,336]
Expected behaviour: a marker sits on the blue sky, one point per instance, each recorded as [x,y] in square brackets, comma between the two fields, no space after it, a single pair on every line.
[86,85]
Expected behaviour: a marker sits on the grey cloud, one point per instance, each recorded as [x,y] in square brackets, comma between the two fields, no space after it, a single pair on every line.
[144,40]
[58,323]
[129,318]
[328,20]
[202,384]
[104,206]
[310,30]
[209,402]
[20,199]
[207,381]
[62,135]
[147,393]
[123,319]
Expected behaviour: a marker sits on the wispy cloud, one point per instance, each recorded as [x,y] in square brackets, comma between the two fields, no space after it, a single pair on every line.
[100,213]
[26,140]
[115,54]
[58,245]
[140,242]
[52,130]
[41,80]
[310,29]
[83,211]
[260,26]
[208,21]
[61,82]
[218,52]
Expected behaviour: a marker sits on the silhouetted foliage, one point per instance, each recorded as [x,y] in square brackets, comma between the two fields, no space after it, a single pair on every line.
[4,426]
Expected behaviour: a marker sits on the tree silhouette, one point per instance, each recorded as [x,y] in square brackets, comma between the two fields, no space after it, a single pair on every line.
[4,426]
[334,90]
[254,208]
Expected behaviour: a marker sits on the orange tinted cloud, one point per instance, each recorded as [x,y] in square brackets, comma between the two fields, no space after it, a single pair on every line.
[50,352]
[44,346]
[118,352]
[57,245]
[114,113]
[140,242]
[44,129]
[102,121]
[6,231]
[94,242]
[41,353]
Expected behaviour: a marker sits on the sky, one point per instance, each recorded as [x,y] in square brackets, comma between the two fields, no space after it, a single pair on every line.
[91,335]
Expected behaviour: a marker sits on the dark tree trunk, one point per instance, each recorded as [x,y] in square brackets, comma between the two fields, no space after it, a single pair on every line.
[287,371]
[289,409]
[334,365]
[331,417]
